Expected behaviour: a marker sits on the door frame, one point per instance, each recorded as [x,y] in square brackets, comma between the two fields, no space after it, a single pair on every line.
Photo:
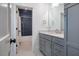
[13,30]
[23,7]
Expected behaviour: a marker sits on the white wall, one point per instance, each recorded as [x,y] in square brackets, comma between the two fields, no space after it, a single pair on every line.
[40,13]
[38,16]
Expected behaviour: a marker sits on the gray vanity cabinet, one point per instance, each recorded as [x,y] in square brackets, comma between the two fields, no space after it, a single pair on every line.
[50,45]
[72,29]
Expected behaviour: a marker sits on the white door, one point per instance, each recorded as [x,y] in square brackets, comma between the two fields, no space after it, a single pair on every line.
[4,30]
[7,29]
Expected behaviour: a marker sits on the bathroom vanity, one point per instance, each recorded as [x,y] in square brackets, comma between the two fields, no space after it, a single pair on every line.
[51,44]
[63,44]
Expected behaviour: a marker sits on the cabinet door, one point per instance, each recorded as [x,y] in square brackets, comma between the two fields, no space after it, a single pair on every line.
[59,41]
[42,45]
[72,29]
[48,47]
[58,50]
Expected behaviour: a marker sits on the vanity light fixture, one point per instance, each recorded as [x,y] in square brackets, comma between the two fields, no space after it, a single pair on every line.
[55,4]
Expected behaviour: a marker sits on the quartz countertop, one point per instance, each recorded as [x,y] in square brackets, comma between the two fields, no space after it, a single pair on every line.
[60,35]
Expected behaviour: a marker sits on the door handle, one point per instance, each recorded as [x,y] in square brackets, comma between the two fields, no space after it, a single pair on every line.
[12,41]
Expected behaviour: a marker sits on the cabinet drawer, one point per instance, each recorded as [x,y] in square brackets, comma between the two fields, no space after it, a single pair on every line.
[59,41]
[58,47]
[44,36]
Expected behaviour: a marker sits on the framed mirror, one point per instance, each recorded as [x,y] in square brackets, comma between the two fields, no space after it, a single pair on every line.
[56,17]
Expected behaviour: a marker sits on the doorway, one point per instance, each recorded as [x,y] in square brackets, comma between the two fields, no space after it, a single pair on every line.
[26,22]
[24,31]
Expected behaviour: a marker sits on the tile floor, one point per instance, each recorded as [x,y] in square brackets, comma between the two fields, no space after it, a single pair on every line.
[25,47]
